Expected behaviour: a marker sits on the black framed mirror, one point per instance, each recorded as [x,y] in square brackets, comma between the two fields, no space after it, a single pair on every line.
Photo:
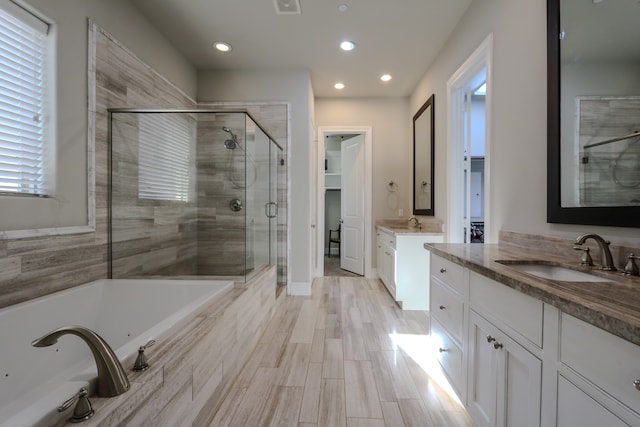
[593,113]
[423,151]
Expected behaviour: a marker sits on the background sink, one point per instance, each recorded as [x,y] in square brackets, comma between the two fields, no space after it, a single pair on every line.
[552,272]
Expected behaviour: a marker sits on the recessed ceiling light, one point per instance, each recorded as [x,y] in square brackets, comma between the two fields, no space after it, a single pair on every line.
[347,45]
[385,77]
[222,46]
[339,86]
[343,8]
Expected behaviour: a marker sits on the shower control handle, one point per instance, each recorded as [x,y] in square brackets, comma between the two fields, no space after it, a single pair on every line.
[235,205]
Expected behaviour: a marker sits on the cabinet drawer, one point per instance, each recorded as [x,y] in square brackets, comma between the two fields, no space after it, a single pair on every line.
[385,238]
[449,273]
[447,307]
[609,362]
[448,354]
[515,310]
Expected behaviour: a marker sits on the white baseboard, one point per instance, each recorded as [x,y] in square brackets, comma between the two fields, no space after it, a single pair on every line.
[299,289]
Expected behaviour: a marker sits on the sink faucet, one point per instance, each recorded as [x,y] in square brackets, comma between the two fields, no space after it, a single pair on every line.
[415,222]
[112,379]
[605,253]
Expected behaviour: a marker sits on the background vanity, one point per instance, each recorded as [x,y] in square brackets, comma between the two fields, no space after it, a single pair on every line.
[403,263]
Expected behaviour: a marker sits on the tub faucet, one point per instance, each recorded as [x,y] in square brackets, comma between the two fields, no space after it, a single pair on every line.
[112,379]
[605,253]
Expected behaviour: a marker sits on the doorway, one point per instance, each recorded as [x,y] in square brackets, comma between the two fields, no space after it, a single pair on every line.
[344,201]
[468,188]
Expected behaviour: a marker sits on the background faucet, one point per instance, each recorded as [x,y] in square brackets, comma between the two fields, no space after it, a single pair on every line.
[112,379]
[415,222]
[605,253]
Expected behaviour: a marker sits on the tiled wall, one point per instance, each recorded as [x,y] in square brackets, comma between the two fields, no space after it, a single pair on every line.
[34,266]
[608,173]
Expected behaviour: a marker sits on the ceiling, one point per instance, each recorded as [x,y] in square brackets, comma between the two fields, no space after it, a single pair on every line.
[401,38]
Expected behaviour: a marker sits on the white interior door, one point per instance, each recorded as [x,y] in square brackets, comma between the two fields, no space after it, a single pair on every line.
[475,70]
[466,165]
[352,205]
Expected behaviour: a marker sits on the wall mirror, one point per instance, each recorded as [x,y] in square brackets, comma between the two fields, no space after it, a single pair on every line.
[593,141]
[423,148]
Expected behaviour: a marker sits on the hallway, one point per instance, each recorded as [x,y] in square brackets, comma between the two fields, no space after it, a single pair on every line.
[346,356]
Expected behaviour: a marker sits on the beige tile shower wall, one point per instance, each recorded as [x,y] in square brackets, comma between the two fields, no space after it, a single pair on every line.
[221,232]
[36,266]
[274,118]
[149,237]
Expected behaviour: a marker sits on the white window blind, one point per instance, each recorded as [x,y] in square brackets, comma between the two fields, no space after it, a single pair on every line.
[166,143]
[23,57]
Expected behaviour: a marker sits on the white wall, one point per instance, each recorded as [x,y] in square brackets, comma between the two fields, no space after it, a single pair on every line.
[390,119]
[293,87]
[518,147]
[123,21]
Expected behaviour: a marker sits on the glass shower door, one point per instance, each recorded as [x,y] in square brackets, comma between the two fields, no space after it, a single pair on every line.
[257,178]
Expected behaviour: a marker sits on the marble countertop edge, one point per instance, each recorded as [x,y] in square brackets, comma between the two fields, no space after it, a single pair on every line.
[614,306]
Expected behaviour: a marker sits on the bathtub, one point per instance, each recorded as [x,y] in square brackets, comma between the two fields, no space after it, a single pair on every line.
[126,313]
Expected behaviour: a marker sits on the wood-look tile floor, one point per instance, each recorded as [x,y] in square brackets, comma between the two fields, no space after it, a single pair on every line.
[346,356]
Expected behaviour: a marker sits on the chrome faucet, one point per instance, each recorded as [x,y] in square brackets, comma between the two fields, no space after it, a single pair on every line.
[605,253]
[112,379]
[416,222]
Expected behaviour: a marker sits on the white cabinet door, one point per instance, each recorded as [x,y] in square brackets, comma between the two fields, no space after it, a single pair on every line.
[519,390]
[505,379]
[577,409]
[482,391]
[381,261]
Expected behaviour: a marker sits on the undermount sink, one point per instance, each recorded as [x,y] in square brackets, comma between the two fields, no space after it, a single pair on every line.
[551,272]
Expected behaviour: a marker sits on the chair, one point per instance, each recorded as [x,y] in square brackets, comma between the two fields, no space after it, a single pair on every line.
[334,237]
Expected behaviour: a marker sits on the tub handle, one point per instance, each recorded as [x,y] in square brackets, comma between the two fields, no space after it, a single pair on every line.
[83,410]
[141,363]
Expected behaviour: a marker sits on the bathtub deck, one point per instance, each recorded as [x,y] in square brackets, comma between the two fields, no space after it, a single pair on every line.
[328,360]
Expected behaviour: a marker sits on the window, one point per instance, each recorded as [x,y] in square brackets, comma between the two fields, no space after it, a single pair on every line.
[25,138]
[165,152]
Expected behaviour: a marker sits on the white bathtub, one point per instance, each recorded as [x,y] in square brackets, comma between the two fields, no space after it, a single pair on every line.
[126,313]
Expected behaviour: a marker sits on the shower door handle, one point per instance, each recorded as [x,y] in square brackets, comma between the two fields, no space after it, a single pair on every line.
[269,212]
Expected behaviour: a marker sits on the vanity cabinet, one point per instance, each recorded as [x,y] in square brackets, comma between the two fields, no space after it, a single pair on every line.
[449,298]
[515,361]
[505,369]
[386,258]
[403,266]
[596,378]
[505,380]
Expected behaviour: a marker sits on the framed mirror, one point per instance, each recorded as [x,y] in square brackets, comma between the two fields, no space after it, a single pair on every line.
[423,149]
[593,141]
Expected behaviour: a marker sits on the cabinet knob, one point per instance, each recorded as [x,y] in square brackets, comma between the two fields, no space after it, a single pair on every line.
[497,345]
[636,383]
[442,307]
[490,339]
[442,350]
[443,270]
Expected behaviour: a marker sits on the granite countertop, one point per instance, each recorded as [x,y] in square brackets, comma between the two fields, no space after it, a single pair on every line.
[401,227]
[613,306]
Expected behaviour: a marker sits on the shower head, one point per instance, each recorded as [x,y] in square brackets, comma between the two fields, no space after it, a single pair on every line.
[232,143]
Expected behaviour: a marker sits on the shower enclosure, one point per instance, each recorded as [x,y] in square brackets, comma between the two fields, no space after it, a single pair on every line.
[192,193]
